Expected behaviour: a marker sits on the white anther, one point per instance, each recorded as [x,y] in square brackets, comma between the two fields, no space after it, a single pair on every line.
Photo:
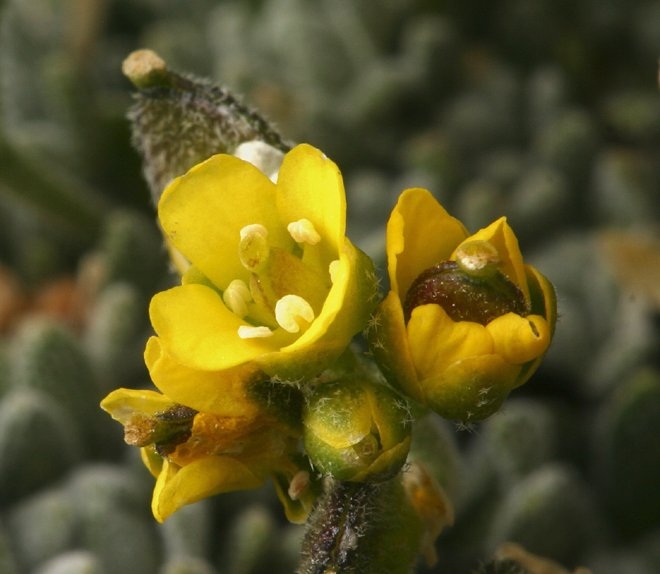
[292,312]
[237,296]
[254,229]
[478,257]
[303,231]
[333,269]
[253,248]
[250,332]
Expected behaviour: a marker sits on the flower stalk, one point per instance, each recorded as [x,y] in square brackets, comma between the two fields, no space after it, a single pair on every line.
[353,530]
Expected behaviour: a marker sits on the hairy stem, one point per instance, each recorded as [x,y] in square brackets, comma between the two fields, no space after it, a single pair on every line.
[361,528]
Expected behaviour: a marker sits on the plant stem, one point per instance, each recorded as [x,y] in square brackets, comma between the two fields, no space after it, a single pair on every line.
[361,528]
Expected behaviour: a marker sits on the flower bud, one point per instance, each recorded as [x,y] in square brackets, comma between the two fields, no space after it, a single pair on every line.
[178,121]
[356,430]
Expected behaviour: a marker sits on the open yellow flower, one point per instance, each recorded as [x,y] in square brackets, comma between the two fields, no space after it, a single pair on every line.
[273,287]
[466,321]
[194,455]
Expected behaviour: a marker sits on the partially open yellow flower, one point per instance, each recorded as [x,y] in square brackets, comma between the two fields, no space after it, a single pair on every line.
[466,321]
[274,285]
[194,455]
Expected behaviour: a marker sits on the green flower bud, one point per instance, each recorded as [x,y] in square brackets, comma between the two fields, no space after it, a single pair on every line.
[178,121]
[356,430]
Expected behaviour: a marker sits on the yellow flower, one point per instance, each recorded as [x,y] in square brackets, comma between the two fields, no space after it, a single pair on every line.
[466,321]
[273,287]
[194,455]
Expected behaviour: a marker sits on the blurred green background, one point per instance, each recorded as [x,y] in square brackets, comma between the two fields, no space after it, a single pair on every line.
[545,111]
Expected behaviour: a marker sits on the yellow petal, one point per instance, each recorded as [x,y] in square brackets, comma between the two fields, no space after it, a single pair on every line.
[152,460]
[333,304]
[420,234]
[198,331]
[192,275]
[203,211]
[519,339]
[501,236]
[222,393]
[345,311]
[296,510]
[178,486]
[123,404]
[287,274]
[471,389]
[437,341]
[310,186]
[388,332]
[543,298]
[382,466]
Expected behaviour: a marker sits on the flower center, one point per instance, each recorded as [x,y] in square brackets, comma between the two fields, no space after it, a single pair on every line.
[282,290]
[469,289]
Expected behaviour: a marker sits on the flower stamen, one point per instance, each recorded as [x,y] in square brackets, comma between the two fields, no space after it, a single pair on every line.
[236,297]
[252,332]
[303,231]
[333,270]
[254,249]
[292,313]
[479,258]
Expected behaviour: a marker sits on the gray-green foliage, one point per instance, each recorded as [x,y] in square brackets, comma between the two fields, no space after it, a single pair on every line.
[521,439]
[627,461]
[74,562]
[549,512]
[8,564]
[39,442]
[47,358]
